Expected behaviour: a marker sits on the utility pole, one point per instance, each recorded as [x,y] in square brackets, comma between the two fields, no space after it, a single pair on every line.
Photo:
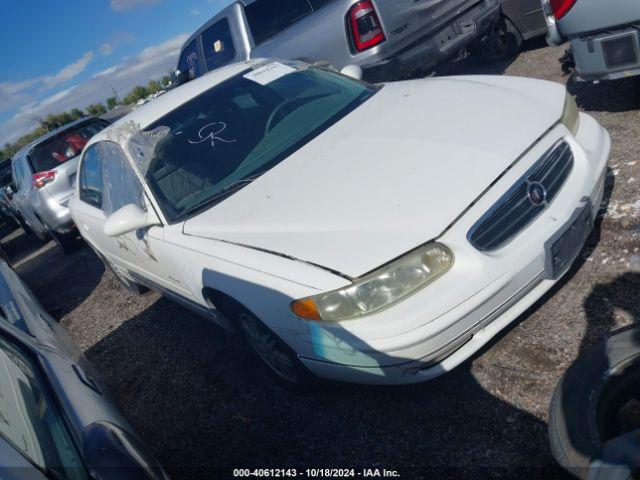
[115,94]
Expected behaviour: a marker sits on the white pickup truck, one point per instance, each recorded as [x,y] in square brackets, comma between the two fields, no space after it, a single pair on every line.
[604,35]
[384,37]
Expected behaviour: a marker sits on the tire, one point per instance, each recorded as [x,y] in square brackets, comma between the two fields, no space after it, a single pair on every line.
[583,414]
[280,361]
[43,235]
[503,43]
[68,242]
[27,229]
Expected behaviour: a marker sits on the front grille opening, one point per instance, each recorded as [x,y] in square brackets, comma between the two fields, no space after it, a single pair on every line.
[518,207]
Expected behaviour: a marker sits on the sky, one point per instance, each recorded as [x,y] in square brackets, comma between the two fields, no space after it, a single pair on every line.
[62,54]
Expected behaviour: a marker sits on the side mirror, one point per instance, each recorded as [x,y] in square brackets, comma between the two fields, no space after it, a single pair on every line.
[353,71]
[179,78]
[112,453]
[129,219]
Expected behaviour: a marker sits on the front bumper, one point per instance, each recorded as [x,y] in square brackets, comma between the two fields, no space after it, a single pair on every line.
[437,46]
[482,294]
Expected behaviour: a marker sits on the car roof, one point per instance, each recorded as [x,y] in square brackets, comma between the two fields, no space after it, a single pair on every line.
[69,126]
[148,113]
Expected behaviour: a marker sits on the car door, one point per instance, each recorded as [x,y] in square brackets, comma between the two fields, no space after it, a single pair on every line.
[19,196]
[108,183]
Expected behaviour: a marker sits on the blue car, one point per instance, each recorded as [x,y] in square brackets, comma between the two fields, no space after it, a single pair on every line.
[57,418]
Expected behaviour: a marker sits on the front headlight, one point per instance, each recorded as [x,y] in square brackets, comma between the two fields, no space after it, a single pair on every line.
[571,114]
[378,290]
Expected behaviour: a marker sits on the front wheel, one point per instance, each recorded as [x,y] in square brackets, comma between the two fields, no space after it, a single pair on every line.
[280,360]
[502,43]
[596,402]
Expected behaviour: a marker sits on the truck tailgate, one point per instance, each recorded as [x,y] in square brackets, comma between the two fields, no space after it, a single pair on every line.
[594,15]
[411,19]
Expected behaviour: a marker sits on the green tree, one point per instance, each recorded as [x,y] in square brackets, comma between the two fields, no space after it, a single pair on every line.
[77,114]
[96,109]
[136,94]
[153,86]
[112,102]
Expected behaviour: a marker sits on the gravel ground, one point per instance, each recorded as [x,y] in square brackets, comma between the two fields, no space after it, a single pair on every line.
[200,402]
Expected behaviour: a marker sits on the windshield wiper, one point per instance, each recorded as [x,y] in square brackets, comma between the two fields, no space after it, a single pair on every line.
[221,195]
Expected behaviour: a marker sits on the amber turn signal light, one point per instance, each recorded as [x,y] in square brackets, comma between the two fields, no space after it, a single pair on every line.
[306,308]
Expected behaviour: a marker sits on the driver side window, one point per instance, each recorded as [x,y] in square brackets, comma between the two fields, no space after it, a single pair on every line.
[107,180]
[91,185]
[121,185]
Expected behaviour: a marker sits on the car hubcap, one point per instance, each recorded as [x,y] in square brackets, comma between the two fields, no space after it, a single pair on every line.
[268,347]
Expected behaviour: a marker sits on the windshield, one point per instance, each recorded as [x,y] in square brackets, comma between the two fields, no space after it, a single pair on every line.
[51,153]
[224,138]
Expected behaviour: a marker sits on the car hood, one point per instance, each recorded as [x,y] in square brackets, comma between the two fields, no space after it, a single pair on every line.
[391,175]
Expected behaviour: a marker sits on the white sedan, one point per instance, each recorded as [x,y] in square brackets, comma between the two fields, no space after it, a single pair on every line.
[377,234]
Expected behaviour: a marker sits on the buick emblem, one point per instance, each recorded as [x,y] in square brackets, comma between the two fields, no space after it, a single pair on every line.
[537,194]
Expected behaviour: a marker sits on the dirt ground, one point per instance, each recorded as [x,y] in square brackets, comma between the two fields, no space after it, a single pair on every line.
[201,403]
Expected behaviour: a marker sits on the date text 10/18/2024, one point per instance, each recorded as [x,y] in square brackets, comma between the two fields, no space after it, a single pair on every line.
[315,473]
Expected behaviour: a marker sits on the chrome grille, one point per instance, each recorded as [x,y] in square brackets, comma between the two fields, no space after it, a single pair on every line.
[527,199]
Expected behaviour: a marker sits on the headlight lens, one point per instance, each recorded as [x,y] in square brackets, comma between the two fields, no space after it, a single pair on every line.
[378,290]
[571,114]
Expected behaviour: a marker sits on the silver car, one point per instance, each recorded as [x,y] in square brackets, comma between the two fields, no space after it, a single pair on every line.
[57,418]
[43,176]
[386,38]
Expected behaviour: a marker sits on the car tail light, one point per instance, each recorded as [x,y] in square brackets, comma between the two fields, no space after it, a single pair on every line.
[561,7]
[40,179]
[366,28]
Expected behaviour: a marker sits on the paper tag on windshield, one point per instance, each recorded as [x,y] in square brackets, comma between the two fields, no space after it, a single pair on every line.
[269,73]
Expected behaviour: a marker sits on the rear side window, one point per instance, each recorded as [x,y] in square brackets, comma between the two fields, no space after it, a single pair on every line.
[267,18]
[217,44]
[91,186]
[190,61]
[51,153]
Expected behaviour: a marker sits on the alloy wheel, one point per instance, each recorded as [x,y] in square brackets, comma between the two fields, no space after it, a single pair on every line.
[268,347]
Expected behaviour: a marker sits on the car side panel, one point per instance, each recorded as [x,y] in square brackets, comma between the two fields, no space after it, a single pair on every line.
[23,198]
[263,282]
[526,15]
